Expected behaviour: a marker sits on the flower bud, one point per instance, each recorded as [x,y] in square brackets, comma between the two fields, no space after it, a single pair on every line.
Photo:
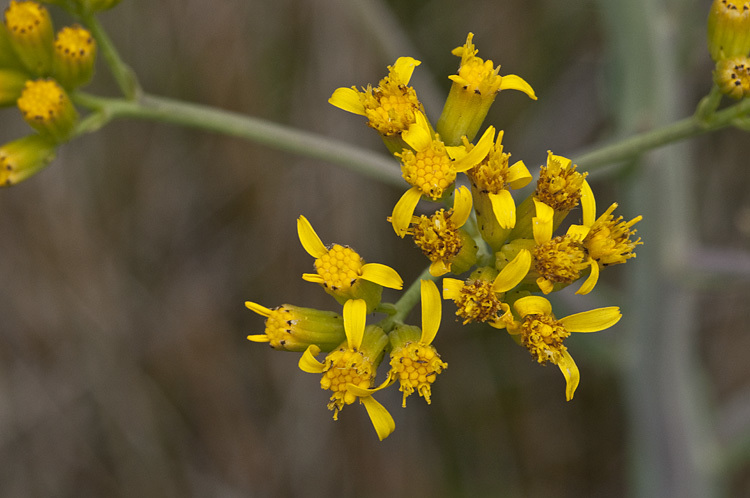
[22,158]
[48,109]
[729,29]
[74,57]
[30,34]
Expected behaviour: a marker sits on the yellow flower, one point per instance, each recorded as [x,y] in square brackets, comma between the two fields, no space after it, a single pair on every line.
[292,328]
[30,33]
[608,240]
[431,168]
[562,259]
[480,298]
[491,181]
[732,76]
[729,29]
[349,371]
[390,108]
[542,334]
[441,238]
[24,157]
[342,272]
[74,56]
[472,93]
[415,362]
[46,107]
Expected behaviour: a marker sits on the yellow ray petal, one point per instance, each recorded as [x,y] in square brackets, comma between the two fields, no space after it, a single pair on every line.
[569,369]
[462,205]
[418,136]
[514,82]
[439,268]
[432,309]
[308,363]
[518,175]
[404,210]
[259,338]
[546,286]
[579,232]
[504,209]
[593,320]
[404,68]
[381,419]
[513,273]
[355,316]
[309,239]
[590,282]
[361,392]
[452,288]
[478,153]
[259,309]
[542,223]
[348,100]
[533,305]
[588,204]
[382,275]
[313,277]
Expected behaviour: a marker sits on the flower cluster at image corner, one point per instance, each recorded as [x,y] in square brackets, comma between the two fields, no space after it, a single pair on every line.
[510,249]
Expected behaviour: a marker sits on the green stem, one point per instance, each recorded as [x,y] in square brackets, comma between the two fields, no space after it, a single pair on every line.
[123,74]
[406,303]
[636,145]
[153,108]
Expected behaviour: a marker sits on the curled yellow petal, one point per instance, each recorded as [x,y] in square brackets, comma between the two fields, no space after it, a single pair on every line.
[462,205]
[308,363]
[533,305]
[519,175]
[404,68]
[432,309]
[355,316]
[593,320]
[588,204]
[419,135]
[309,239]
[452,288]
[381,419]
[382,275]
[542,223]
[569,369]
[504,208]
[348,100]
[589,284]
[404,210]
[258,308]
[439,268]
[513,273]
[478,153]
[514,82]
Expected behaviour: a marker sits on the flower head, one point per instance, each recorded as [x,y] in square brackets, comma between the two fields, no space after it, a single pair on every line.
[472,93]
[441,238]
[74,56]
[543,335]
[390,107]
[732,76]
[608,241]
[46,107]
[342,272]
[431,168]
[349,371]
[291,328]
[415,362]
[729,29]
[24,157]
[480,298]
[30,33]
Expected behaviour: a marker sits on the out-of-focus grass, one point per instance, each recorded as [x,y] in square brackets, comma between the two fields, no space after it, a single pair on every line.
[124,368]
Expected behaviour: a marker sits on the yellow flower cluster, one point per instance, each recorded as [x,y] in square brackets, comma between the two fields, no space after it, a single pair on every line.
[511,250]
[38,69]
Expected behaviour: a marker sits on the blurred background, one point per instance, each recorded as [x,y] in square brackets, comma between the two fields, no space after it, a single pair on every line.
[124,365]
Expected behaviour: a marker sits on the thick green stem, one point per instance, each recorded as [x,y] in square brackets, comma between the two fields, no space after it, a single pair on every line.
[207,118]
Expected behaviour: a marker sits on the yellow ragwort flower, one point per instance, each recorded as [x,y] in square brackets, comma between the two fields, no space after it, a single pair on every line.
[342,272]
[732,76]
[472,93]
[562,259]
[390,108]
[431,168]
[46,107]
[30,33]
[350,370]
[415,362]
[480,298]
[292,328]
[441,239]
[729,29]
[608,240]
[74,56]
[543,335]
